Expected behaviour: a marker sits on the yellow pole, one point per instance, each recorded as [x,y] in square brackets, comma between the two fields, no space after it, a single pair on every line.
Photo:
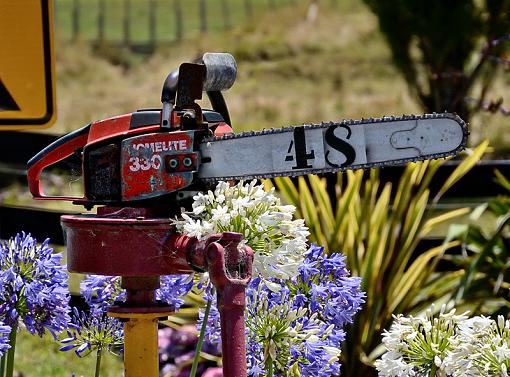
[140,343]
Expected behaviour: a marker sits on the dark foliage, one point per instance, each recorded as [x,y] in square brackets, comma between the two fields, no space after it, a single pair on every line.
[444,47]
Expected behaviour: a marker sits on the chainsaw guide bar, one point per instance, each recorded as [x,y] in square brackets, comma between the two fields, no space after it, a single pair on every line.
[331,147]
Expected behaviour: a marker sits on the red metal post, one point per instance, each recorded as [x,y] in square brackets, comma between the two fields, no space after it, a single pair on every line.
[230,270]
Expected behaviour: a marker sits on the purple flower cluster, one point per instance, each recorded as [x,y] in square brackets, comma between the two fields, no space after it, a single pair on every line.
[100,292]
[325,287]
[177,349]
[90,331]
[95,330]
[173,289]
[4,338]
[301,321]
[33,286]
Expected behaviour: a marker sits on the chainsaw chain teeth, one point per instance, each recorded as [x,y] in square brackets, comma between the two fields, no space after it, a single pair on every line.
[346,122]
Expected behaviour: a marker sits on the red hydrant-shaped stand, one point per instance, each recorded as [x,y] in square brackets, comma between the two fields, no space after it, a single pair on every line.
[138,247]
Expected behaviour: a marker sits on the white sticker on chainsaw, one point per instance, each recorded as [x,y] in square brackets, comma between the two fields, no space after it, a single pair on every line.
[334,147]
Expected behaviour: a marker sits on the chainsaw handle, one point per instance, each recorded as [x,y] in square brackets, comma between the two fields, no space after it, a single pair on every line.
[221,72]
[57,151]
[215,97]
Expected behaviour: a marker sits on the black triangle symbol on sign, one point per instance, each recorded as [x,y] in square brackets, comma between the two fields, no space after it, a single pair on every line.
[6,100]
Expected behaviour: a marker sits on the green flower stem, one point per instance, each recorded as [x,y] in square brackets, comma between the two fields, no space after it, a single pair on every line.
[98,361]
[269,367]
[433,370]
[9,366]
[2,365]
[198,349]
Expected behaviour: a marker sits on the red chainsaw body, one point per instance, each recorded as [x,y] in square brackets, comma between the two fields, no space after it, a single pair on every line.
[157,163]
[128,158]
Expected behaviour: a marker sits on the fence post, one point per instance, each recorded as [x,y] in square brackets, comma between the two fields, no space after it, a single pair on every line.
[100,20]
[178,19]
[127,23]
[203,16]
[152,22]
[226,14]
[76,19]
[248,10]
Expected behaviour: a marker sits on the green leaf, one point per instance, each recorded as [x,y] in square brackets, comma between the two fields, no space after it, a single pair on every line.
[414,276]
[310,213]
[448,216]
[324,207]
[502,180]
[478,211]
[462,169]
[288,192]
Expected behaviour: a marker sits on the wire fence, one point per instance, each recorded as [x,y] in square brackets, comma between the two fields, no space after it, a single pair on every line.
[153,22]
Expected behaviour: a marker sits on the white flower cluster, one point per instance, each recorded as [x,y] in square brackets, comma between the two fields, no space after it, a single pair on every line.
[418,345]
[483,348]
[279,242]
[446,345]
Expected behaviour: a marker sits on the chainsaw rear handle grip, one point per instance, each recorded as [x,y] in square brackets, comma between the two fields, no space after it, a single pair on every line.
[221,72]
[57,151]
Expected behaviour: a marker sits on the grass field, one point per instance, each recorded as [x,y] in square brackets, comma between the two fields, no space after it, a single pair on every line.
[40,357]
[220,15]
[290,71]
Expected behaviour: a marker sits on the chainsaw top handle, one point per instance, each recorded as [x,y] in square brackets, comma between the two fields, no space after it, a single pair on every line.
[220,74]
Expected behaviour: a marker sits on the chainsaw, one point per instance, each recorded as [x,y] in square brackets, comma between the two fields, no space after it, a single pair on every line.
[181,148]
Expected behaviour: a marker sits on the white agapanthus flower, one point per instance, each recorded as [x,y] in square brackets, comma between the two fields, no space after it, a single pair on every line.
[483,349]
[418,346]
[279,242]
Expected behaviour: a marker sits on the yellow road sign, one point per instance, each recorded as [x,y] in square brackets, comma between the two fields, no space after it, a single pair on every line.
[27,85]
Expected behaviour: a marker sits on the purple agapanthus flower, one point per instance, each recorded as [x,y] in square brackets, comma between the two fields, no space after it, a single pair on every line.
[33,285]
[173,289]
[4,338]
[100,291]
[298,324]
[94,330]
